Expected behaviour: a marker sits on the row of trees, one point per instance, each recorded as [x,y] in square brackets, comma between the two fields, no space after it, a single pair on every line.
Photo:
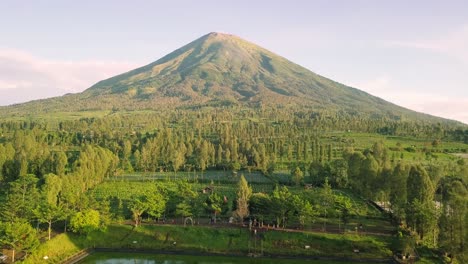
[187,140]
[431,199]
[279,207]
[29,199]
[91,129]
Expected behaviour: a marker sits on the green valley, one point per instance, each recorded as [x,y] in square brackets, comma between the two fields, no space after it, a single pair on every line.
[224,148]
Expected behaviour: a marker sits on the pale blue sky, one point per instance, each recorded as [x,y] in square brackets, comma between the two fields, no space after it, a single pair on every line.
[413,53]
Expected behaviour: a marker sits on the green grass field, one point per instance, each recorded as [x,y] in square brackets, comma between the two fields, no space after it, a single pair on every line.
[362,141]
[232,241]
[361,213]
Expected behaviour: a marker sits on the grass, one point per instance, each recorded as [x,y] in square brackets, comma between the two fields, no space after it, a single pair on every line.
[215,176]
[57,249]
[362,141]
[197,239]
[361,212]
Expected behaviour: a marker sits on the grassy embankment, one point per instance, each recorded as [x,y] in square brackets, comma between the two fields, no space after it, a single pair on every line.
[230,241]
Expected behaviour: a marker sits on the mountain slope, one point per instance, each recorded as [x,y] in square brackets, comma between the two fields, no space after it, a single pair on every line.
[221,69]
[224,67]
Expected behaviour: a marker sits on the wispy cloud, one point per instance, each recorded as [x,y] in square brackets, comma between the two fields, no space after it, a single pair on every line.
[24,76]
[431,103]
[453,44]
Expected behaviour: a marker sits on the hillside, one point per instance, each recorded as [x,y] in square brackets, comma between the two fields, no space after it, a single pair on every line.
[221,70]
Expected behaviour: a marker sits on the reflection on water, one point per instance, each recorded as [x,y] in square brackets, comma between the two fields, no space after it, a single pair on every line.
[137,258]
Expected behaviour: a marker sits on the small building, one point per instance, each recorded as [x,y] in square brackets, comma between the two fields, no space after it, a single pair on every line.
[208,189]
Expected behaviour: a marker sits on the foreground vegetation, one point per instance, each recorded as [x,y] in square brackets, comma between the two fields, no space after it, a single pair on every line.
[227,240]
[300,172]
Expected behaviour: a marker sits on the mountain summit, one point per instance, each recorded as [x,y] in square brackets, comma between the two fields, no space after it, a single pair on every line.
[225,68]
[216,67]
[219,70]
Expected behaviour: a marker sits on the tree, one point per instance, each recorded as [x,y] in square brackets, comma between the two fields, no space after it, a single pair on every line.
[138,205]
[344,205]
[22,197]
[156,204]
[355,161]
[420,192]
[244,192]
[260,205]
[419,185]
[339,172]
[48,213]
[367,181]
[18,236]
[380,152]
[318,172]
[85,222]
[183,210]
[425,216]
[297,176]
[214,204]
[327,200]
[398,189]
[61,162]
[453,231]
[219,155]
[303,210]
[178,157]
[280,204]
[202,156]
[51,189]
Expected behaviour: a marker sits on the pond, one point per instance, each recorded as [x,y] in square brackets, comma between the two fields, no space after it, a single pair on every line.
[141,258]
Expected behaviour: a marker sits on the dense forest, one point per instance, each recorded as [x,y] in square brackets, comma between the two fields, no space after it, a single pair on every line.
[48,168]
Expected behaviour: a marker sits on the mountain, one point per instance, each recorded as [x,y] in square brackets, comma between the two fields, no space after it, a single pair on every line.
[221,70]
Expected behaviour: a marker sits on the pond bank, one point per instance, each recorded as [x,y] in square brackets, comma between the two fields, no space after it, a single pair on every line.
[85,253]
[206,241]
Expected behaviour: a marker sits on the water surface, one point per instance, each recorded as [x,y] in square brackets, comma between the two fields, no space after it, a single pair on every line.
[141,258]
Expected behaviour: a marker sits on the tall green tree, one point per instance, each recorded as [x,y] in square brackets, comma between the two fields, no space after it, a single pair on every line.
[244,192]
[297,176]
[364,183]
[303,210]
[138,205]
[183,210]
[420,191]
[453,230]
[214,204]
[339,173]
[398,189]
[156,203]
[419,185]
[280,204]
[202,156]
[18,236]
[48,213]
[86,221]
[22,197]
[327,200]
